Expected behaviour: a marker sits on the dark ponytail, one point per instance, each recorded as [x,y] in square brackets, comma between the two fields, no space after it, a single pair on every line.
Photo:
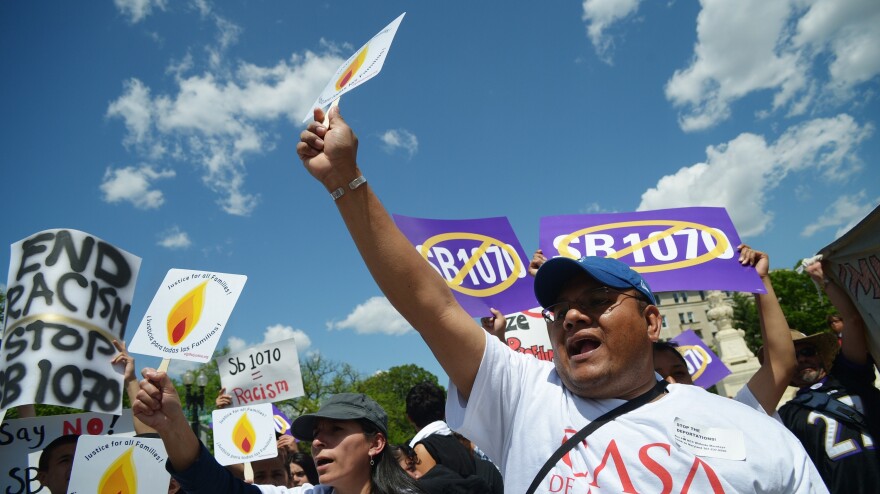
[387,477]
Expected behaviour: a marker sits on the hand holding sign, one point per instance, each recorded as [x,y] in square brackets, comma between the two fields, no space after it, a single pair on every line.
[158,404]
[329,153]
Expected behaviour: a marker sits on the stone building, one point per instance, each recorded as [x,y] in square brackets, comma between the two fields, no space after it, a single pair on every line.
[683,310]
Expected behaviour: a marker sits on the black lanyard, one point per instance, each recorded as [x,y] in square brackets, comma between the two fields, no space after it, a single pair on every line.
[658,389]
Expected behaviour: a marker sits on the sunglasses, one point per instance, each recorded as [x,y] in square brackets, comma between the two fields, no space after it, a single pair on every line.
[807,351]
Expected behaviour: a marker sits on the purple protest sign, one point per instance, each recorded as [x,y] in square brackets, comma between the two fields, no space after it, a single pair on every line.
[704,366]
[481,260]
[282,423]
[674,249]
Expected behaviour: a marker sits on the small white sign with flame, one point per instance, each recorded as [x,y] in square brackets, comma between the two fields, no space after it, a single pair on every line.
[244,434]
[118,465]
[187,315]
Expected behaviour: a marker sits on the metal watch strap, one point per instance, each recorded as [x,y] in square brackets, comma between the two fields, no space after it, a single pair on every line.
[354,184]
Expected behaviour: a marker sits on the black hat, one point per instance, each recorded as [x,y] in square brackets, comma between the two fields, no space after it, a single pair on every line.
[342,406]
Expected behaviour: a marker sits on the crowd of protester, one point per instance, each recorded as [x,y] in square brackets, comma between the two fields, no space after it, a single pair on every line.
[612,412]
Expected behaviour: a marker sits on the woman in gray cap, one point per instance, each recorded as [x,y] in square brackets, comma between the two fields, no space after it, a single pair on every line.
[349,443]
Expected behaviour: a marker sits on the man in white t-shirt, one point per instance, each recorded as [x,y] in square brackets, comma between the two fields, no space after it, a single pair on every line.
[602,324]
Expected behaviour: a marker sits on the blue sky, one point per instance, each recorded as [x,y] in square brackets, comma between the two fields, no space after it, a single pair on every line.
[169,128]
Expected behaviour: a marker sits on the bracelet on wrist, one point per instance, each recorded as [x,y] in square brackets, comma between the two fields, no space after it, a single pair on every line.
[354,184]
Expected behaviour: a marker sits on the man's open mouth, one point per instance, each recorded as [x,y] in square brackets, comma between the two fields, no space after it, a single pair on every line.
[583,346]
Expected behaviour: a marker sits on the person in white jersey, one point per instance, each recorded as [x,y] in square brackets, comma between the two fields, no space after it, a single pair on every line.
[519,409]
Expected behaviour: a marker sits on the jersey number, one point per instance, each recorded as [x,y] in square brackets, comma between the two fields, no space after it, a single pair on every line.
[833,448]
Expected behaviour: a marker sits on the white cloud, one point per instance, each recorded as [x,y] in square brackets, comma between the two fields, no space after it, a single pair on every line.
[599,16]
[400,139]
[739,174]
[173,238]
[273,334]
[214,119]
[843,213]
[138,10]
[279,332]
[593,208]
[133,184]
[236,344]
[179,367]
[801,50]
[376,315]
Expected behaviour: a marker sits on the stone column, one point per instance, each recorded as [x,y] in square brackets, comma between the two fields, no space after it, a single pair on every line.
[731,346]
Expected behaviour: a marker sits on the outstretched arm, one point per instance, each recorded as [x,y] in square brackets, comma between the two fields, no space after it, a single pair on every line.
[852,346]
[769,382]
[409,283]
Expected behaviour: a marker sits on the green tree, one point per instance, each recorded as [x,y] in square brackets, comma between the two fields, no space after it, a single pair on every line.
[321,378]
[389,388]
[804,308]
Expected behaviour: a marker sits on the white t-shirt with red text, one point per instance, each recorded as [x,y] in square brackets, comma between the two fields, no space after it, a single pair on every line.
[690,440]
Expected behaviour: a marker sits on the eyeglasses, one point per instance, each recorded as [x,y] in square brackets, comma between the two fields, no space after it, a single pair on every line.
[807,351]
[593,303]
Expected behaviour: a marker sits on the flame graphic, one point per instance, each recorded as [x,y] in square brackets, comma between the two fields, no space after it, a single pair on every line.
[185,314]
[120,477]
[352,69]
[243,435]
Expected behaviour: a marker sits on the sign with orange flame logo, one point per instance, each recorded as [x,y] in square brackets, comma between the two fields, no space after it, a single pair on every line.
[187,315]
[244,434]
[120,477]
[129,465]
[365,64]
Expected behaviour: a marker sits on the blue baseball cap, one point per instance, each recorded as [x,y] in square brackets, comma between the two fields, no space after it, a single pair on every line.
[554,273]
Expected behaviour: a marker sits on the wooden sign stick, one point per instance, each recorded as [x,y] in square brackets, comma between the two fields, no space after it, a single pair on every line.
[326,122]
[163,367]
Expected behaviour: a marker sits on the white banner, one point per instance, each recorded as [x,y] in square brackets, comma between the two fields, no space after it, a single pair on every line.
[262,374]
[855,262]
[187,315]
[69,296]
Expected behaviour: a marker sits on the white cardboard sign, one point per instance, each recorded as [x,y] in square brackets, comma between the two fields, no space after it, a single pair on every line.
[527,333]
[187,315]
[262,374]
[244,434]
[365,64]
[69,297]
[123,465]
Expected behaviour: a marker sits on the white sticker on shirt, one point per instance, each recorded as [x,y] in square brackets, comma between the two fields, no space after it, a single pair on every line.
[712,442]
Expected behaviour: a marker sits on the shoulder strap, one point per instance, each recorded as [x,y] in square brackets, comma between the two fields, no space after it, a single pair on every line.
[658,389]
[826,402]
